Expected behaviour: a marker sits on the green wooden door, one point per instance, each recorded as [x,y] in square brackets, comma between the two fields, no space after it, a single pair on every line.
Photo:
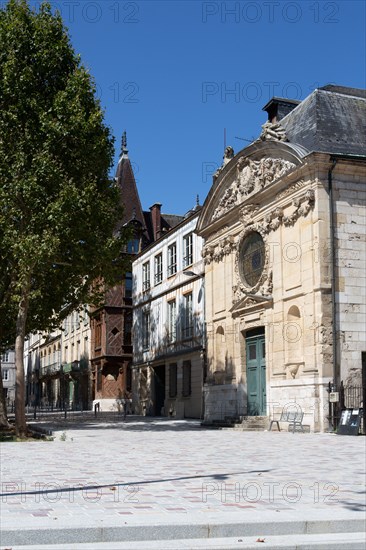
[256,375]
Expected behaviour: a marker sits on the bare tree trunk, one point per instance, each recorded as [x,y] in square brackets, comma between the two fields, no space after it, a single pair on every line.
[4,423]
[20,420]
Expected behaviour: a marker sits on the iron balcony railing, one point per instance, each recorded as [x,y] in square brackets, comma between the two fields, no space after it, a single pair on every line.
[49,370]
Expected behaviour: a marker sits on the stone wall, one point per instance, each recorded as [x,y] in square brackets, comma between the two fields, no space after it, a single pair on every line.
[350,241]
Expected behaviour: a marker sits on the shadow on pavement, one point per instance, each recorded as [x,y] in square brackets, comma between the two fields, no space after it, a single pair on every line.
[116,421]
[113,486]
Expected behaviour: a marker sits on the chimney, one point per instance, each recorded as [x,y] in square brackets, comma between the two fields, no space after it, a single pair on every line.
[156,219]
[279,107]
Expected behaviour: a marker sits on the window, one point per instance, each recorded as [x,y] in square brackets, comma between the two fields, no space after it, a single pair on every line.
[188,250]
[172,259]
[5,375]
[172,321]
[158,269]
[146,276]
[252,259]
[187,316]
[86,315]
[98,333]
[145,329]
[5,357]
[133,246]
[127,329]
[186,392]
[173,380]
[128,285]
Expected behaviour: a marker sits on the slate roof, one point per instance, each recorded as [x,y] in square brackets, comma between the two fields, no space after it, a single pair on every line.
[129,194]
[332,119]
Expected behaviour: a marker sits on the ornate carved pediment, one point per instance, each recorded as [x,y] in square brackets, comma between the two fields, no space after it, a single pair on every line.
[251,176]
[248,302]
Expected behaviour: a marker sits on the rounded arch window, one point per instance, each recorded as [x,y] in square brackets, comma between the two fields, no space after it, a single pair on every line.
[252,258]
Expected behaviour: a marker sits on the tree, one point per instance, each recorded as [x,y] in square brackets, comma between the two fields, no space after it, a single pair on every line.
[58,208]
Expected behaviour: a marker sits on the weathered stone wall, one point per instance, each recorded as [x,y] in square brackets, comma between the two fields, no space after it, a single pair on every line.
[350,240]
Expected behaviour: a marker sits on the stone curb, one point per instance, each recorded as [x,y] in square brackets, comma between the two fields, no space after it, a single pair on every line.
[176,531]
[329,541]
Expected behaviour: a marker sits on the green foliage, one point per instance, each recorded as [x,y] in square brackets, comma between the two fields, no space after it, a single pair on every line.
[58,208]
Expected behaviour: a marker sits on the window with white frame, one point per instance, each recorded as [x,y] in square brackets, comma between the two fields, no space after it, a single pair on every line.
[187,250]
[172,321]
[5,357]
[187,316]
[5,375]
[145,276]
[158,269]
[145,329]
[172,259]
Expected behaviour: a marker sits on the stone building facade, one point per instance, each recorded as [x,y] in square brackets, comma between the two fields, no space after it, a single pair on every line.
[7,361]
[284,254]
[168,297]
[57,365]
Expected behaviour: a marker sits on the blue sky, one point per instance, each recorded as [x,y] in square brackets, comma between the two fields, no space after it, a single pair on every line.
[175,74]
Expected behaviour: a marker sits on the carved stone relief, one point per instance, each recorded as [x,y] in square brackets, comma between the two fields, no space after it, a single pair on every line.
[295,187]
[216,253]
[251,176]
[273,131]
[228,155]
[302,206]
[247,213]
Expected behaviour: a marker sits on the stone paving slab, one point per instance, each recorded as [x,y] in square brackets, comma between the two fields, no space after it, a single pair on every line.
[160,472]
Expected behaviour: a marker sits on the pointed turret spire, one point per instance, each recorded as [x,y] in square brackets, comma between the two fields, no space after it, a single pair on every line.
[124,150]
[132,210]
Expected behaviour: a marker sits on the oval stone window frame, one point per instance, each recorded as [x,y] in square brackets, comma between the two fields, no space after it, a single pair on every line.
[244,237]
[252,259]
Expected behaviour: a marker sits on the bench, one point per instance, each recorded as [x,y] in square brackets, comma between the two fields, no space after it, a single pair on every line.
[293,417]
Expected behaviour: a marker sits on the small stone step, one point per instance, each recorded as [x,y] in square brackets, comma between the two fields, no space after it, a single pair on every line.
[253,424]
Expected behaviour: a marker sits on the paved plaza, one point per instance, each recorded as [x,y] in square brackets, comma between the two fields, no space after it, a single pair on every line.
[146,478]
